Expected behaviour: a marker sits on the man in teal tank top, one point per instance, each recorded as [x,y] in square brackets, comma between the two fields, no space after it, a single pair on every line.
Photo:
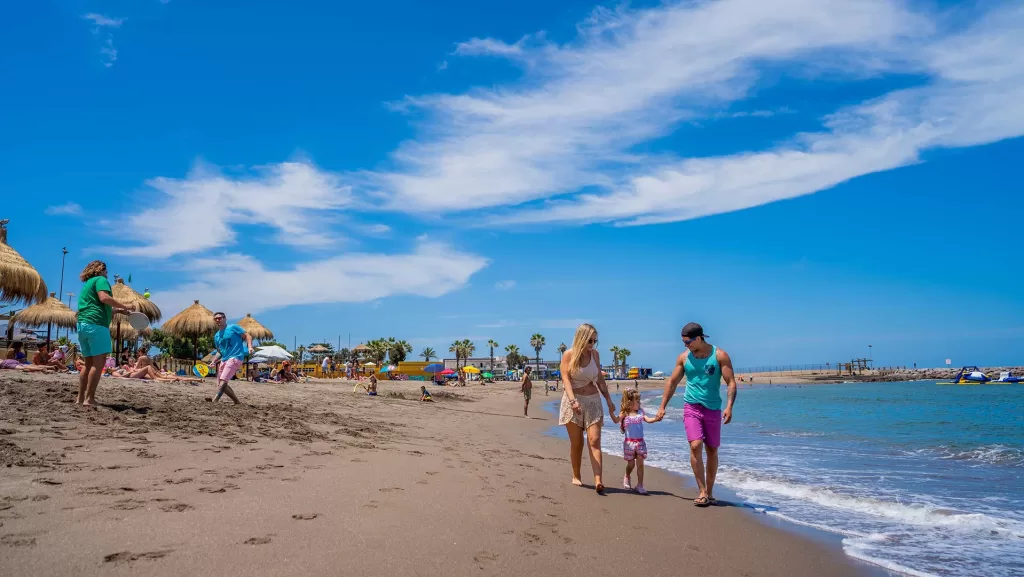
[704,366]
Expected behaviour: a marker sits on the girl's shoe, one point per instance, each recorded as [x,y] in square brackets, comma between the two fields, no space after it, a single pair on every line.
[625,483]
[640,489]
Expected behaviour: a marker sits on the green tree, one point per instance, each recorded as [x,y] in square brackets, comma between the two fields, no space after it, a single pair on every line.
[624,354]
[513,359]
[493,344]
[537,342]
[456,349]
[398,351]
[468,348]
[428,353]
[561,349]
[177,347]
[378,351]
[615,359]
[343,356]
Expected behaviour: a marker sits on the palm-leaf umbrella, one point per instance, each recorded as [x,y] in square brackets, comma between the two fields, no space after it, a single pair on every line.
[255,329]
[49,312]
[126,295]
[193,322]
[18,280]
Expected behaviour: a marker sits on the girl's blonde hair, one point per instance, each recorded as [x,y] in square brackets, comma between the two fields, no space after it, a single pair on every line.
[95,268]
[626,405]
[584,333]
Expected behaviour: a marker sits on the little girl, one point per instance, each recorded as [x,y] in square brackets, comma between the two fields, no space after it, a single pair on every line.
[634,449]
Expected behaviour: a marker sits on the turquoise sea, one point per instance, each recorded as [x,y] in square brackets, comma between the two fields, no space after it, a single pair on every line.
[915,477]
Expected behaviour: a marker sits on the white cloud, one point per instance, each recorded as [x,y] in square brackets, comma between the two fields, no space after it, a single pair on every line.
[109,53]
[238,284]
[567,132]
[442,66]
[203,210]
[69,208]
[502,324]
[488,46]
[504,285]
[103,21]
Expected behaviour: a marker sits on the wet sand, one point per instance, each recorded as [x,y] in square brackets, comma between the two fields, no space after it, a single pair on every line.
[313,479]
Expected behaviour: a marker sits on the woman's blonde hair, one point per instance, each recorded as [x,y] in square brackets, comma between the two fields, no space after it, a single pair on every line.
[584,333]
[95,268]
[626,405]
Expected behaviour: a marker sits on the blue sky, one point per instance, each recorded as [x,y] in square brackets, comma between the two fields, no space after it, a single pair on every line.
[803,177]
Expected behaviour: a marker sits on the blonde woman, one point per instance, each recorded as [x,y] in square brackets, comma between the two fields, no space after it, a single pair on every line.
[581,411]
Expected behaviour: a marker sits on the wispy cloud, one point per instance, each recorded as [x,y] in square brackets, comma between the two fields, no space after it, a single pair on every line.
[69,208]
[100,22]
[239,284]
[504,285]
[560,143]
[442,66]
[278,197]
[502,324]
[103,21]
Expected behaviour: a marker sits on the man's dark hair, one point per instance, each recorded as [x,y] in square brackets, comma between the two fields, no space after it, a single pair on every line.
[220,314]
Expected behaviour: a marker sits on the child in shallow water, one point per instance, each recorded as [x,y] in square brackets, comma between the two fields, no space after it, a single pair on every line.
[634,448]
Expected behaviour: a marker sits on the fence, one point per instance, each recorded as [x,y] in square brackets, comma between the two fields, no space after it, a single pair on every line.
[788,369]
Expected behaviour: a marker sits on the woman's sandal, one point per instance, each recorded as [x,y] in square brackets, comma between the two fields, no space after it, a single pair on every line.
[600,489]
[701,502]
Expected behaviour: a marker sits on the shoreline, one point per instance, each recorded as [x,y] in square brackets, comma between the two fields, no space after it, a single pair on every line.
[312,478]
[731,499]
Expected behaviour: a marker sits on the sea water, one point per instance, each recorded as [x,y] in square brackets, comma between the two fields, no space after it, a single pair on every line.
[915,477]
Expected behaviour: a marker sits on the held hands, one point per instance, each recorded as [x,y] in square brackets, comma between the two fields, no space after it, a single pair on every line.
[660,415]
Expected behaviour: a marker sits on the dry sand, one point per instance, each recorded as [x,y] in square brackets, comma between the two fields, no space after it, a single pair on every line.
[312,479]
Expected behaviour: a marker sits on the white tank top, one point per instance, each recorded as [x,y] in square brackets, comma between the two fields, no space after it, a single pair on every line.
[585,375]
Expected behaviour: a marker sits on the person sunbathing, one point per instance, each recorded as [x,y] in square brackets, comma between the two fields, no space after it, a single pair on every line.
[15,365]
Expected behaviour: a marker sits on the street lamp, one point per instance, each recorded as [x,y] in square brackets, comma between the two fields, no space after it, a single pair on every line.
[870,357]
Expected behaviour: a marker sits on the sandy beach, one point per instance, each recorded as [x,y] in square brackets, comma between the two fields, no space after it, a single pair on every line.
[312,479]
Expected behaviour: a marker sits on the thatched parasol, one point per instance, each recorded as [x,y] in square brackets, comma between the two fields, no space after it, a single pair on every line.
[126,295]
[255,329]
[360,350]
[194,322]
[120,327]
[18,280]
[49,312]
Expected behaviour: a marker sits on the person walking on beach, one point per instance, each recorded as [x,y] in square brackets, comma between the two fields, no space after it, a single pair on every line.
[634,447]
[704,366]
[527,390]
[581,411]
[96,308]
[230,351]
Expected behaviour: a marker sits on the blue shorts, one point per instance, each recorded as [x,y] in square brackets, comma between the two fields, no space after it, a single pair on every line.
[94,340]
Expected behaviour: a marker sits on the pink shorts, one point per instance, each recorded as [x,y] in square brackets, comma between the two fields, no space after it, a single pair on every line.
[228,369]
[631,448]
[702,424]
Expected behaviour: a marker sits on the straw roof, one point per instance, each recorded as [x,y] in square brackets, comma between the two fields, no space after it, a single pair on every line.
[360,348]
[254,328]
[318,349]
[194,321]
[128,296]
[52,310]
[18,280]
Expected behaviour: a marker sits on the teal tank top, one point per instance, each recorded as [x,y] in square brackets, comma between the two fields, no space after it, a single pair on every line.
[703,381]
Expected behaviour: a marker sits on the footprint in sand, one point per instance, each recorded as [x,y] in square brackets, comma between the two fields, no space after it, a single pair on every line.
[256,541]
[175,508]
[391,489]
[224,489]
[304,516]
[125,557]
[18,540]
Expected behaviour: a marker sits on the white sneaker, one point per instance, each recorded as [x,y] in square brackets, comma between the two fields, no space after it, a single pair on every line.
[625,483]
[640,489]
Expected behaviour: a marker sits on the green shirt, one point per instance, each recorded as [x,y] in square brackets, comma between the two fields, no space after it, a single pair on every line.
[90,309]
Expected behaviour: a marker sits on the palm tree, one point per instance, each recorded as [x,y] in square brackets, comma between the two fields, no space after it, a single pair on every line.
[456,348]
[624,354]
[537,342]
[468,348]
[493,345]
[512,356]
[427,353]
[561,349]
[378,350]
[398,350]
[615,351]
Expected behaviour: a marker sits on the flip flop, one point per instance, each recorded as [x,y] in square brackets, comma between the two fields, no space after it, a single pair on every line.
[701,502]
[599,489]
[712,501]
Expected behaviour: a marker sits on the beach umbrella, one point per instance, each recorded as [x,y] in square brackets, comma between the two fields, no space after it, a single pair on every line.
[470,369]
[433,368]
[447,372]
[370,364]
[49,312]
[254,328]
[387,369]
[193,322]
[487,375]
[273,353]
[18,280]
